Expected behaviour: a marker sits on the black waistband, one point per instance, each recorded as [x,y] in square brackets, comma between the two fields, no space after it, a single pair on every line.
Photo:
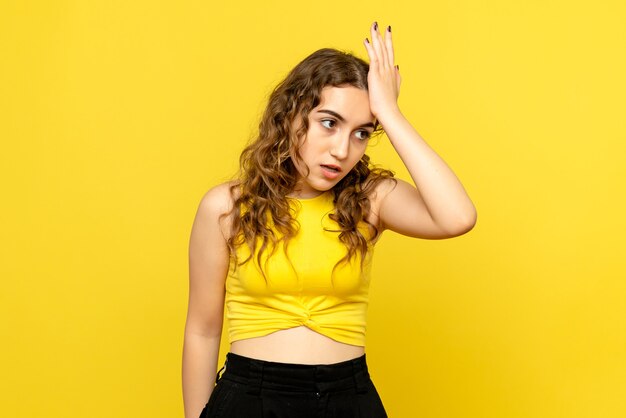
[298,377]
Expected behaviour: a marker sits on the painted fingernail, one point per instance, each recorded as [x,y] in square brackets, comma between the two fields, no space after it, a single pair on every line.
[389,28]
[398,67]
[375,25]
[367,40]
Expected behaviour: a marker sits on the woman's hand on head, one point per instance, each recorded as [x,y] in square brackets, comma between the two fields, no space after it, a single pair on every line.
[384,77]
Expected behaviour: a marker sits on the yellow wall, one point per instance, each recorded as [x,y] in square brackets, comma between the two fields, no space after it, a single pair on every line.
[117,116]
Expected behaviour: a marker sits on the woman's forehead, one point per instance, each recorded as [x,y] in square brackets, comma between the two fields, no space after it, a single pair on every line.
[350,102]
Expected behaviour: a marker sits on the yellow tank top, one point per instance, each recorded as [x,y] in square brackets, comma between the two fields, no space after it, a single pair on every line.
[302,292]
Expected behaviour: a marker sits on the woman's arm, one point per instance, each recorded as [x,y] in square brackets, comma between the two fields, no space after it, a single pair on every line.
[208,268]
[438,206]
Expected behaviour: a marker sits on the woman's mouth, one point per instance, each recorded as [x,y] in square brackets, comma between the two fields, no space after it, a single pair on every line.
[330,171]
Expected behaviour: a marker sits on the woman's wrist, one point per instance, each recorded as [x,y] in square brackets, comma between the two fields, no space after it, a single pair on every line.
[389,116]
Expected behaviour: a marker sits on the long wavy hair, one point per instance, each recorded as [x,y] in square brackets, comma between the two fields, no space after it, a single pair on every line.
[268,174]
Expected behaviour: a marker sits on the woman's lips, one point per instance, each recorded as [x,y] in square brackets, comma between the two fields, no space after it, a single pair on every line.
[330,171]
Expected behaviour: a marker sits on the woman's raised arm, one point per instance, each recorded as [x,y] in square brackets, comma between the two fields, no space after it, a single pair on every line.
[438,206]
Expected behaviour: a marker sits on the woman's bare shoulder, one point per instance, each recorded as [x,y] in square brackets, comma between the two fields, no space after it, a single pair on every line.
[218,200]
[379,188]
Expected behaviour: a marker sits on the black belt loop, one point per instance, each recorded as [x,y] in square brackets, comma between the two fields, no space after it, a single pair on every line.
[361,376]
[256,377]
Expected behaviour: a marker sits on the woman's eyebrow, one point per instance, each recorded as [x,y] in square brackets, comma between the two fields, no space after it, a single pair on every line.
[342,119]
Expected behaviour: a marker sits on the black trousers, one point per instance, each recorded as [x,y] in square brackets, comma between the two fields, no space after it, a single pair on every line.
[251,388]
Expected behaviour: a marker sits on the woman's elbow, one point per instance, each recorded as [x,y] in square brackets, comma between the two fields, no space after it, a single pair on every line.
[462,225]
[467,222]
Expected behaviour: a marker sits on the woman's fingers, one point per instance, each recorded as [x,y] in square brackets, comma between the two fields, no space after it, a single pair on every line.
[381,47]
[398,79]
[378,45]
[389,46]
[381,53]
[370,52]
[383,76]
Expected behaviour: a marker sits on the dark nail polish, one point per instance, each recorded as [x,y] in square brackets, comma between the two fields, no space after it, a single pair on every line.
[375,25]
[367,40]
[398,67]
[389,28]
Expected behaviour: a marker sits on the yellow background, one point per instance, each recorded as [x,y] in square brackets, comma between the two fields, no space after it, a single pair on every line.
[117,116]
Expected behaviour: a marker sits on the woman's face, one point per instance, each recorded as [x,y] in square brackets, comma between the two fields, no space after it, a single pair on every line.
[339,130]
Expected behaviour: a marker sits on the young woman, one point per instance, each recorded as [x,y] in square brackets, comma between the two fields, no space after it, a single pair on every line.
[287,246]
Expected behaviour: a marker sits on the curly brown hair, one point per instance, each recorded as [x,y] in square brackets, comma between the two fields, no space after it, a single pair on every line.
[268,174]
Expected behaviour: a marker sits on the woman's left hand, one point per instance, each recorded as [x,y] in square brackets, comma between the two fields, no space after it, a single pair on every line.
[383,77]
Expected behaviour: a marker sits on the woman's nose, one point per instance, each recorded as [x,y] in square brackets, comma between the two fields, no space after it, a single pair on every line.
[340,146]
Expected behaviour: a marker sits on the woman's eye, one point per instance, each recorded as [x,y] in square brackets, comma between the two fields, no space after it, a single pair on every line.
[363,135]
[328,123]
